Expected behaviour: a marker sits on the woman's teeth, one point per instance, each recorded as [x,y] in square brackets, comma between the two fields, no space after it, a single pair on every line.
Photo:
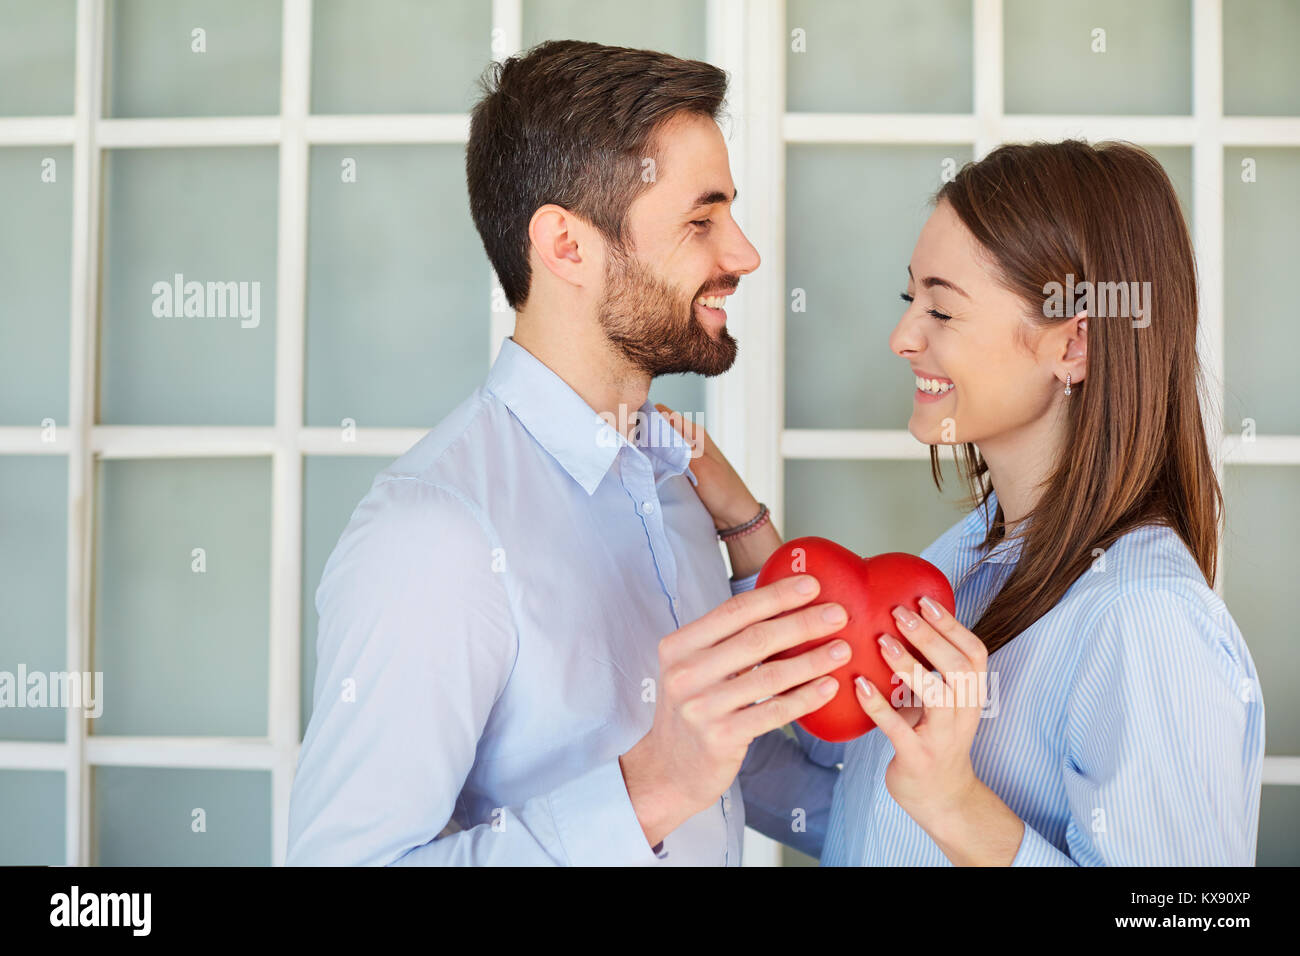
[712,301]
[934,386]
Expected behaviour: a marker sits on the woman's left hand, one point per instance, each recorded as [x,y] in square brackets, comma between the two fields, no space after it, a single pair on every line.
[931,773]
[720,489]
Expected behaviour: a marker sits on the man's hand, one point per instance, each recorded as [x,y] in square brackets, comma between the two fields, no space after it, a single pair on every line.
[705,715]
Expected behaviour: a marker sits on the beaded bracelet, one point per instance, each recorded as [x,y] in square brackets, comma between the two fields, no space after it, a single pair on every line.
[750,526]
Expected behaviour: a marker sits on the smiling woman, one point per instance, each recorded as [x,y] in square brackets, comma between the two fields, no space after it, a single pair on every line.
[1130,720]
[1010,357]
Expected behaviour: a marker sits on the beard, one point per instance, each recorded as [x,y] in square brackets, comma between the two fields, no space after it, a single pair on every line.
[654,327]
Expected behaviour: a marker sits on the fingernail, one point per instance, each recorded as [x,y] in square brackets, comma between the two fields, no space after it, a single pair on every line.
[840,650]
[906,618]
[863,685]
[834,615]
[827,686]
[931,609]
[890,646]
[806,585]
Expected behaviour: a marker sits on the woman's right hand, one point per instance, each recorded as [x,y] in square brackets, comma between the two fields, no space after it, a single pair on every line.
[721,490]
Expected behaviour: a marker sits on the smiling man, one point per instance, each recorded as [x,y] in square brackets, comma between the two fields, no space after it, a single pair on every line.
[488,688]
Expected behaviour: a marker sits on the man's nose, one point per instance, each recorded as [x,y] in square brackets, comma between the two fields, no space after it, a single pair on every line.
[741,257]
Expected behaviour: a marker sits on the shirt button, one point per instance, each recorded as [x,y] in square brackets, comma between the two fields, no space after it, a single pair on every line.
[726,804]
[647,507]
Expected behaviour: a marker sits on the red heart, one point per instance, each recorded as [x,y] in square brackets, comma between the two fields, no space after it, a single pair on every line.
[868,589]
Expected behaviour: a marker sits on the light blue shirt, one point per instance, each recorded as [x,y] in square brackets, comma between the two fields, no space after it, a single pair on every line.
[488,647]
[1125,726]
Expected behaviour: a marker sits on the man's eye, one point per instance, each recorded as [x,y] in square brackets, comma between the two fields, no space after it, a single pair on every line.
[702,223]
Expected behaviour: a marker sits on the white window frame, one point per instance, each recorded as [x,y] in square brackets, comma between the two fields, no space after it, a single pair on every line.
[745,408]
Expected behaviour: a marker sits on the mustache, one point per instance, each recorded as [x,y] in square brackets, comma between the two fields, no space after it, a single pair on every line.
[726,285]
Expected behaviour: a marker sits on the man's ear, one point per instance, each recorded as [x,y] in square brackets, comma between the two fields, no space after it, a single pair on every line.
[1076,347]
[563,242]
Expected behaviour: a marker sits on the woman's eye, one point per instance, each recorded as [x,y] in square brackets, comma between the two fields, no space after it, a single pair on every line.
[934,312]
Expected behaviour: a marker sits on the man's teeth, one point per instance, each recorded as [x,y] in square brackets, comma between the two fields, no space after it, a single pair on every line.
[712,301]
[934,386]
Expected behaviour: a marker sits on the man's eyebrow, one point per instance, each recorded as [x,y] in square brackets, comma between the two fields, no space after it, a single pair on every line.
[931,281]
[716,196]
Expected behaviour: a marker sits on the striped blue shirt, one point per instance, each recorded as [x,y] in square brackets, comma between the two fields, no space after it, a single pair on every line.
[1125,727]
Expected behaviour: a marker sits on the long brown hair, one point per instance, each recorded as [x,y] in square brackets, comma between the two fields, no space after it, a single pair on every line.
[1135,448]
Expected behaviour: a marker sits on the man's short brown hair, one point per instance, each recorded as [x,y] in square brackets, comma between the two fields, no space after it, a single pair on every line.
[571,123]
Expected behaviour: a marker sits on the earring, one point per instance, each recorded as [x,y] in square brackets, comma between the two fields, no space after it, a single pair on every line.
[1067,383]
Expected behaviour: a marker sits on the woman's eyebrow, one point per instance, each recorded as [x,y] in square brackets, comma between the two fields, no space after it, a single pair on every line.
[931,281]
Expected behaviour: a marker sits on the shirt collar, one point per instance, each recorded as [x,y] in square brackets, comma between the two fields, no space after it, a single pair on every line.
[584,443]
[978,522]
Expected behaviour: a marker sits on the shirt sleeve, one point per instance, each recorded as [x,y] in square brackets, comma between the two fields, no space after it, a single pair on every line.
[744,584]
[1164,739]
[787,795]
[416,643]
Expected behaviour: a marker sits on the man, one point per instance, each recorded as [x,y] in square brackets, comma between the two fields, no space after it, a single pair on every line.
[490,652]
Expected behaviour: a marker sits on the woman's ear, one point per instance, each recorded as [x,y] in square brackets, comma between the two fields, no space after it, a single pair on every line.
[1076,348]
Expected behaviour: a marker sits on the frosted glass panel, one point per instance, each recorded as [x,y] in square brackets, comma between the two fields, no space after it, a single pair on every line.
[685,393]
[332,489]
[1051,66]
[1261,73]
[882,56]
[673,26]
[1263,524]
[853,214]
[38,53]
[35,274]
[192,58]
[1279,839]
[398,56]
[33,584]
[205,356]
[1260,248]
[182,637]
[31,806]
[146,816]
[398,287]
[871,506]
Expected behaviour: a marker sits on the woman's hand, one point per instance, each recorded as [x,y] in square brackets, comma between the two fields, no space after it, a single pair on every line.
[930,775]
[720,489]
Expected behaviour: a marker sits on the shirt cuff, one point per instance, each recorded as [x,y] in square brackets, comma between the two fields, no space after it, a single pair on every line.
[1036,851]
[744,584]
[595,821]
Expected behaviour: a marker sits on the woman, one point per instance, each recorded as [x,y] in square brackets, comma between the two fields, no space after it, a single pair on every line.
[1125,723]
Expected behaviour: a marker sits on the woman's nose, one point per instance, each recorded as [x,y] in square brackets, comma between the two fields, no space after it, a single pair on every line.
[906,337]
